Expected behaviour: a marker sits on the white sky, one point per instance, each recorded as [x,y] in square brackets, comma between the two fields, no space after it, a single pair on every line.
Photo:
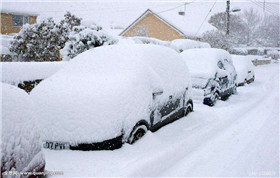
[123,12]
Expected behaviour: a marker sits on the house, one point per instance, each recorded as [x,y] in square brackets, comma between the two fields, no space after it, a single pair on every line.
[12,21]
[167,26]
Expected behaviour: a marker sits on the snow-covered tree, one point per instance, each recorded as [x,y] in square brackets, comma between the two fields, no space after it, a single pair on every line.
[37,42]
[267,34]
[84,38]
[237,26]
[251,19]
[217,39]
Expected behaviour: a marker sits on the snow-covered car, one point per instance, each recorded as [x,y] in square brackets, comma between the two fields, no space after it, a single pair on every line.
[26,75]
[111,95]
[212,72]
[244,68]
[21,150]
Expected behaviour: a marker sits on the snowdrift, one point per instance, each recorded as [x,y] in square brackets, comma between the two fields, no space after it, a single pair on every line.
[17,72]
[21,145]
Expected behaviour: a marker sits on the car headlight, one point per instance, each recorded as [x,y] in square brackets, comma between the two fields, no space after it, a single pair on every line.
[207,90]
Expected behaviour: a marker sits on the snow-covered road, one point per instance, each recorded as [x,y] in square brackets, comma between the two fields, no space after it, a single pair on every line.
[238,137]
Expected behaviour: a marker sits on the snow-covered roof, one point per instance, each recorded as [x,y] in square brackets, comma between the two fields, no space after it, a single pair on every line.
[190,25]
[19,12]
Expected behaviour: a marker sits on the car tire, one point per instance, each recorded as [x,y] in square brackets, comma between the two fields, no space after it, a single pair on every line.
[234,90]
[216,97]
[189,108]
[138,132]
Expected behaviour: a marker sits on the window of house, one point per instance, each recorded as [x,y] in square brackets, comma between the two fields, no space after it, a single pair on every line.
[19,20]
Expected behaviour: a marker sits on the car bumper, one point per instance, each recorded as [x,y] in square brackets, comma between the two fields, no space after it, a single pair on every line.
[208,101]
[250,80]
[110,144]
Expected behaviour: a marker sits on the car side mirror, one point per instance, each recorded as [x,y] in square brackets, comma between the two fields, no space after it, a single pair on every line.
[157,93]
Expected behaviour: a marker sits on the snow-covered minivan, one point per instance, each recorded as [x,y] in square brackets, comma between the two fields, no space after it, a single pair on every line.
[212,72]
[111,95]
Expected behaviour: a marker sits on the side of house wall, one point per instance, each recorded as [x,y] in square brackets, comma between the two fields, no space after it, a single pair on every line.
[154,28]
[7,25]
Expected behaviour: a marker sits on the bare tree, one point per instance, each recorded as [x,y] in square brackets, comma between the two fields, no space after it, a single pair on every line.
[252,20]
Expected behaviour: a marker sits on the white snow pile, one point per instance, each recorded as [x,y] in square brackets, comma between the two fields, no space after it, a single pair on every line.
[106,90]
[148,40]
[202,63]
[21,145]
[239,51]
[17,72]
[257,58]
[242,65]
[181,45]
[5,43]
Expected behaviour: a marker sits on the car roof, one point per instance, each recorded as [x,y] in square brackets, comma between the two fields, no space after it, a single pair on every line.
[203,62]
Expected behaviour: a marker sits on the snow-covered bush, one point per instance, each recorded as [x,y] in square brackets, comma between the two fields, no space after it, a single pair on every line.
[27,75]
[21,149]
[42,41]
[181,45]
[239,51]
[65,27]
[37,42]
[217,39]
[83,38]
[274,54]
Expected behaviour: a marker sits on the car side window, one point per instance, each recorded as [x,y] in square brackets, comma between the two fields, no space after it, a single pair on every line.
[221,65]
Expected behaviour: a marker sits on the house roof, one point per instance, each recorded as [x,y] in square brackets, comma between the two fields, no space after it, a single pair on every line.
[190,25]
[18,12]
[151,12]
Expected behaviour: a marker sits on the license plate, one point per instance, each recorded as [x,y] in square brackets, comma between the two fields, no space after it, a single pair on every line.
[56,145]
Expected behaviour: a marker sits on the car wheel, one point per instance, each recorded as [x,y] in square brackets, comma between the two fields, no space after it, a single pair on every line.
[137,133]
[215,98]
[189,109]
[234,90]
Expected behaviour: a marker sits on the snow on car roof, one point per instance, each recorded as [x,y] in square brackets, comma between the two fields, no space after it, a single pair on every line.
[106,89]
[20,134]
[202,63]
[17,72]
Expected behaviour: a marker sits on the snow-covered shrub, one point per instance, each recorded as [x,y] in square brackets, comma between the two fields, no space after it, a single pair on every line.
[42,41]
[217,39]
[181,45]
[21,145]
[274,54]
[84,38]
[65,27]
[239,51]
[37,42]
[27,75]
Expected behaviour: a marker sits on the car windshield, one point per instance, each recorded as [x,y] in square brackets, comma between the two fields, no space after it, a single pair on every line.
[198,82]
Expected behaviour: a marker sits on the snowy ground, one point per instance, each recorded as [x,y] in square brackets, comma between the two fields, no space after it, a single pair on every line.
[238,137]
